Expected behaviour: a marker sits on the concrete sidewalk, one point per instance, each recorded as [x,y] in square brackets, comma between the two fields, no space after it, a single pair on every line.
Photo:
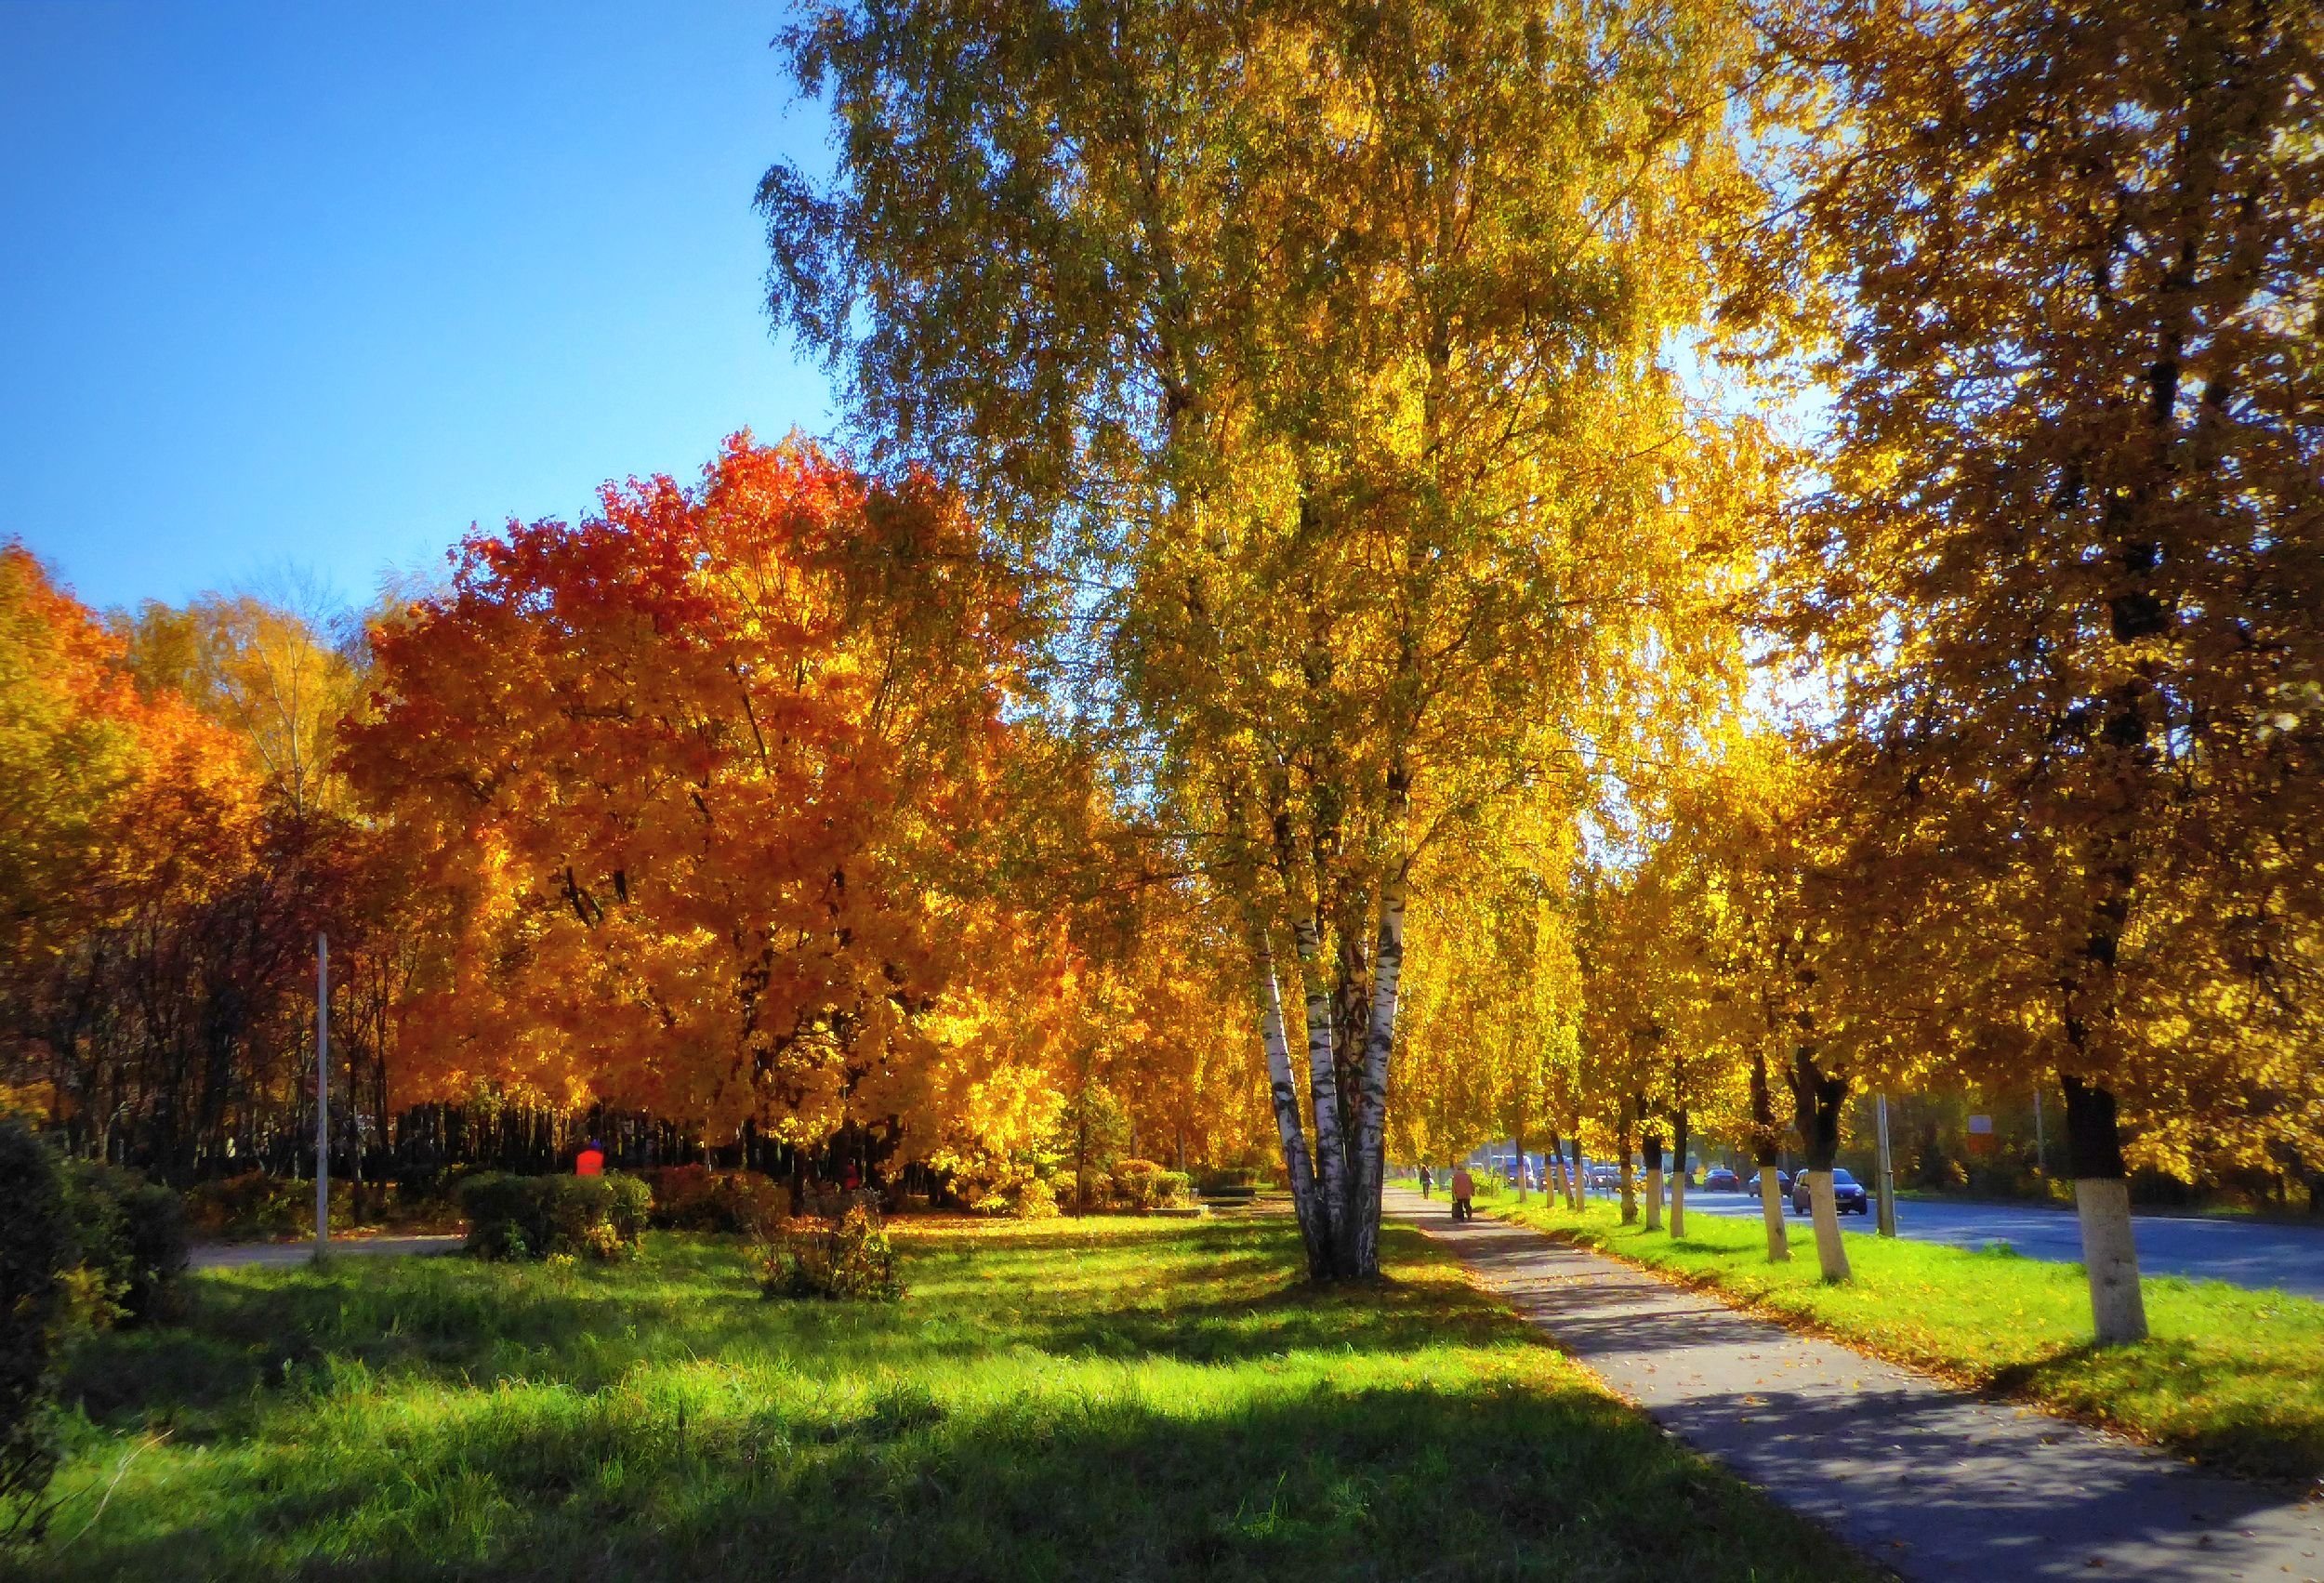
[1923,1478]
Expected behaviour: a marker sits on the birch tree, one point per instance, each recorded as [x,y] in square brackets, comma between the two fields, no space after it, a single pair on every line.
[1318,358]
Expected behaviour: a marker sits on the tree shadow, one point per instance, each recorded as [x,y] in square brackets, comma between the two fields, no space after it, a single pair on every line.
[1478,1478]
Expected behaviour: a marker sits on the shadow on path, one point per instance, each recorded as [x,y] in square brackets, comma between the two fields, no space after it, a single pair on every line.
[1927,1478]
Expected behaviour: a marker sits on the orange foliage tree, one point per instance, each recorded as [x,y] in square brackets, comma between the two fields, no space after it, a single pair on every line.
[711,790]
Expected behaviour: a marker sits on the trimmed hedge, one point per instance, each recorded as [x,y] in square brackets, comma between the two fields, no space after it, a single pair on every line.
[695,1198]
[532,1216]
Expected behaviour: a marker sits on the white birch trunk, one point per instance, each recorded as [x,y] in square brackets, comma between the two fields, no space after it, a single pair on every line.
[1678,1203]
[1360,1235]
[1297,1171]
[1654,1198]
[2117,1306]
[1831,1254]
[1771,1211]
[1322,1085]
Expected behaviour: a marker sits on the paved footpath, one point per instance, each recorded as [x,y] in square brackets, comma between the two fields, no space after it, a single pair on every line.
[285,1255]
[1923,1478]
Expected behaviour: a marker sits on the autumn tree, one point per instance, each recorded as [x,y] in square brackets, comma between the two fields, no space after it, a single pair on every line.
[710,780]
[2070,554]
[1318,357]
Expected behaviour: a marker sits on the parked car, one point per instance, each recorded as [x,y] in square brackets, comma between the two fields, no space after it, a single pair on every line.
[1783,1185]
[1602,1179]
[1848,1195]
[1718,1179]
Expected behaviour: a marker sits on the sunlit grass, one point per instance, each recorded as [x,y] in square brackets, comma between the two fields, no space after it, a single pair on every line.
[1120,1399]
[2232,1376]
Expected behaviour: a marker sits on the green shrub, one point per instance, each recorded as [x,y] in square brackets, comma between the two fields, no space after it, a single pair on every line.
[256,1206]
[854,1260]
[129,1241]
[36,1242]
[532,1216]
[694,1198]
[1142,1184]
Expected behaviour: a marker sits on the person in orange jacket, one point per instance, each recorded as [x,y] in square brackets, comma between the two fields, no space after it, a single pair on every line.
[1463,1189]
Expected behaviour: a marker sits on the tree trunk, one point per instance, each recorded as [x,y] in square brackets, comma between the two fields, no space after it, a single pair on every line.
[1830,1251]
[1573,1177]
[1359,1237]
[1553,1171]
[1628,1181]
[1678,1182]
[1767,1152]
[1816,1100]
[1517,1144]
[1323,1090]
[1298,1174]
[1651,1149]
[2102,1202]
[1771,1211]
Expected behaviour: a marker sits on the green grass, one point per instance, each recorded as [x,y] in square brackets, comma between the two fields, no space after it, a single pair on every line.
[1129,1400]
[2229,1375]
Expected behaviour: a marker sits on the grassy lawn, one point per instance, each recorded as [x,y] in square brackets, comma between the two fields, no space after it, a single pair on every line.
[1121,1400]
[2230,1376]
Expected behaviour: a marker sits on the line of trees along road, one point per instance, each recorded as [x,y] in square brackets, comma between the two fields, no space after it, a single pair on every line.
[1567,752]
[1336,633]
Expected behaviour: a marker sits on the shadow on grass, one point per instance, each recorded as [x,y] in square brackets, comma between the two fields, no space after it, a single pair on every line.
[1486,1476]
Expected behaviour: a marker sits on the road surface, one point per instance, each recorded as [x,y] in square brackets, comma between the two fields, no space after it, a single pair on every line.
[2249,1253]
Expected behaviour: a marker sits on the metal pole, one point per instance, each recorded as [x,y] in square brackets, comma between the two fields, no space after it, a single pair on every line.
[323,1095]
[1885,1185]
[2041,1154]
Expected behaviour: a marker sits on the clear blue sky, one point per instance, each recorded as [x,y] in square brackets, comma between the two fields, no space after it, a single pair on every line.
[318,285]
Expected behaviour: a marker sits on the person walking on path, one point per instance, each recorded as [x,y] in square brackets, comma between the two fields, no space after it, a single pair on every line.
[1463,1189]
[1424,1181]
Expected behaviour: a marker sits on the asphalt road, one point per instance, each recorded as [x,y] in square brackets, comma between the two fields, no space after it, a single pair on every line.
[2246,1252]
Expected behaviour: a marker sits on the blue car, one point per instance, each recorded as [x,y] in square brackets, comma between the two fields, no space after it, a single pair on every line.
[1847,1193]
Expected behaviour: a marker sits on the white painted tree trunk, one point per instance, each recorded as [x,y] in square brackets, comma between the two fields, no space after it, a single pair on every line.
[1360,1236]
[1284,1094]
[1654,1198]
[2117,1306]
[1830,1252]
[1573,1181]
[1323,1084]
[1771,1211]
[1678,1203]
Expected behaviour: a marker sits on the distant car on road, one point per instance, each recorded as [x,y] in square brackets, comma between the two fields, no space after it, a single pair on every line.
[1848,1195]
[1718,1179]
[1602,1179]
[1783,1185]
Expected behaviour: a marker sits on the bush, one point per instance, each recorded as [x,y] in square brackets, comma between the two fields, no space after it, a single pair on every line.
[128,1242]
[1142,1184]
[35,1247]
[255,1204]
[694,1198]
[533,1217]
[854,1260]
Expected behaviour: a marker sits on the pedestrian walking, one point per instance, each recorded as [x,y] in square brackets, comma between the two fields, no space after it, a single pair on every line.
[1463,1189]
[1426,1181]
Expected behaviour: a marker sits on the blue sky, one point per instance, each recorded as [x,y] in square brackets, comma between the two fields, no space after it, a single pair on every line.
[315,286]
